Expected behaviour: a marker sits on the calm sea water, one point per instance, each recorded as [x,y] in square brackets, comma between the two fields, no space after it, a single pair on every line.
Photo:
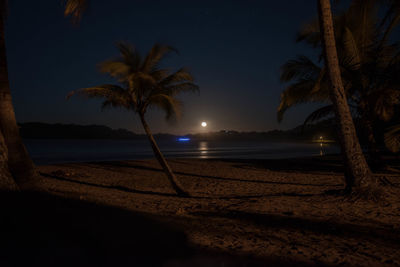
[61,151]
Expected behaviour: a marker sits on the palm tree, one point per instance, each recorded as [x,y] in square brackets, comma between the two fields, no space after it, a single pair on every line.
[7,183]
[19,163]
[15,160]
[142,85]
[368,71]
[376,98]
[358,175]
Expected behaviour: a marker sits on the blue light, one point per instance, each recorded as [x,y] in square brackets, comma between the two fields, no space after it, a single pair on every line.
[183,139]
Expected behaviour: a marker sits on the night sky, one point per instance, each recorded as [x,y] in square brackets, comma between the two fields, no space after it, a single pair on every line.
[233,48]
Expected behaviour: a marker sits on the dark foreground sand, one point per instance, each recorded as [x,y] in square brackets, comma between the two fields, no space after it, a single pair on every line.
[243,213]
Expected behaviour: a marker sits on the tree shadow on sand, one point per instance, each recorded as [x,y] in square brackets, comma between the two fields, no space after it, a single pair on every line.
[256,163]
[38,229]
[135,191]
[116,187]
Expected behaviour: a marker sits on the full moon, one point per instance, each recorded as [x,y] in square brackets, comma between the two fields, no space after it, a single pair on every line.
[203,124]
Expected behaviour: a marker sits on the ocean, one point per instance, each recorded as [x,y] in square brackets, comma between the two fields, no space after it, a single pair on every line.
[51,151]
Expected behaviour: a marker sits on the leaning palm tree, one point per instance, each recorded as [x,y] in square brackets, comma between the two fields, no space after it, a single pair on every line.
[142,85]
[357,174]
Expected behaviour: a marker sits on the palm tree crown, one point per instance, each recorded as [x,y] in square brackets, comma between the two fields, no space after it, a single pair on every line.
[367,65]
[142,83]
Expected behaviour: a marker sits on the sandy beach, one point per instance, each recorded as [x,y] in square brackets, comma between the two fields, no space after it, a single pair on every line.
[242,213]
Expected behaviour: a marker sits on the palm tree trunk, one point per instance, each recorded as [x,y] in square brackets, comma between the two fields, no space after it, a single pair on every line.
[358,174]
[7,183]
[159,156]
[19,162]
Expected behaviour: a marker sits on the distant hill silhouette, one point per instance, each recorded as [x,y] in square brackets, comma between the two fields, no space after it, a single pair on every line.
[72,131]
[299,133]
[39,130]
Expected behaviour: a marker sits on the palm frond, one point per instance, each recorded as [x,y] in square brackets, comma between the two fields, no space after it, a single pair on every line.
[141,85]
[113,95]
[182,75]
[115,68]
[75,9]
[182,87]
[113,103]
[388,54]
[298,93]
[121,67]
[142,79]
[392,138]
[311,84]
[170,105]
[322,83]
[362,18]
[300,68]
[351,52]
[319,114]
[160,74]
[156,54]
[385,102]
[130,55]
[390,20]
[310,33]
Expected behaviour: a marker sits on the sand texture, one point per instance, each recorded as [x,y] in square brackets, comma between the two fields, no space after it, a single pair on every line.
[242,213]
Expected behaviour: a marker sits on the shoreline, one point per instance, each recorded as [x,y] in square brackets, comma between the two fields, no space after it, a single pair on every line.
[216,158]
